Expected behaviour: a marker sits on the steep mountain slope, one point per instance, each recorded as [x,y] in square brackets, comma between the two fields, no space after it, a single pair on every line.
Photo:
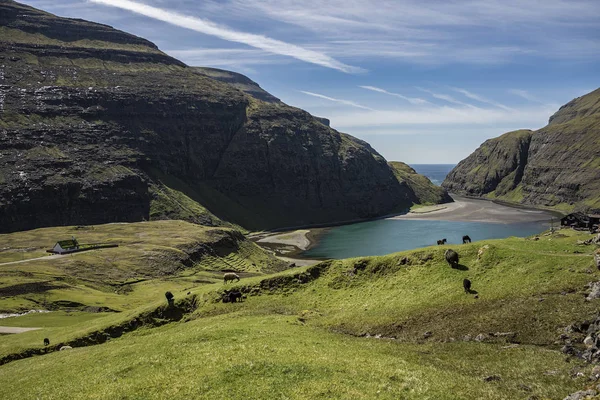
[97,125]
[424,191]
[557,166]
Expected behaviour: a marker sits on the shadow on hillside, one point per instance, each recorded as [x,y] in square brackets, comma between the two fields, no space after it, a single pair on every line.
[461,267]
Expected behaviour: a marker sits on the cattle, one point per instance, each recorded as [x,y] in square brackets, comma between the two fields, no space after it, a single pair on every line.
[441,242]
[466,239]
[467,285]
[451,257]
[230,276]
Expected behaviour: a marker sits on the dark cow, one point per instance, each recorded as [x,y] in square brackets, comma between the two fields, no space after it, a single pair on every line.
[466,239]
[467,285]
[46,342]
[235,296]
[441,242]
[451,257]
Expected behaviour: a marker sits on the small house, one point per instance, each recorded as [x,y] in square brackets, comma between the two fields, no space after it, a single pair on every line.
[65,246]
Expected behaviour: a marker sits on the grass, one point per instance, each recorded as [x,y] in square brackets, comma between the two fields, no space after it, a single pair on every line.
[259,357]
[306,340]
[152,257]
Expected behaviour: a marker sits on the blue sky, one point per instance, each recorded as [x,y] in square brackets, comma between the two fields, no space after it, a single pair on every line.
[422,81]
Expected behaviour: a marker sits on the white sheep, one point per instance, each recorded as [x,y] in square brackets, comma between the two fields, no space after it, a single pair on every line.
[229,276]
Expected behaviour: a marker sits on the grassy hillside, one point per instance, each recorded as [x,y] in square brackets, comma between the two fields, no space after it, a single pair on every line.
[342,329]
[152,257]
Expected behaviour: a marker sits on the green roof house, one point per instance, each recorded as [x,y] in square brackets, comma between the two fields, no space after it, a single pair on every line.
[66,246]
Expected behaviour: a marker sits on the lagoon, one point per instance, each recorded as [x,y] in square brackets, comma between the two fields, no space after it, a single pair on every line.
[387,236]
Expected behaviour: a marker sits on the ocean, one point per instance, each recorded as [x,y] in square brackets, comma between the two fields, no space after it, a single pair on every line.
[435,172]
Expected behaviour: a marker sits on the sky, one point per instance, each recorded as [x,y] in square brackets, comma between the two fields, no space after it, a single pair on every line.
[424,82]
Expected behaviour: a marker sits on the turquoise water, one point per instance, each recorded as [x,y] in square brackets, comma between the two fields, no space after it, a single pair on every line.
[386,236]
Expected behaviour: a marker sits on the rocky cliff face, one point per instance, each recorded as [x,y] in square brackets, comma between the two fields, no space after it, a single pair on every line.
[97,125]
[557,166]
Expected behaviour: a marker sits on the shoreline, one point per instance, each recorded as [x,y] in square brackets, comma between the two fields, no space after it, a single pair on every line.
[289,243]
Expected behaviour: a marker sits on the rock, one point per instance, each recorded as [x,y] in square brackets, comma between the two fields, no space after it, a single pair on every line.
[595,373]
[597,260]
[492,378]
[594,292]
[466,338]
[589,341]
[427,335]
[480,337]
[524,388]
[581,395]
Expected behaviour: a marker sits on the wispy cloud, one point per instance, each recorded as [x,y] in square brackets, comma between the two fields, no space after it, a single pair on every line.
[446,117]
[346,102]
[225,57]
[448,32]
[526,95]
[210,28]
[412,100]
[479,98]
[446,97]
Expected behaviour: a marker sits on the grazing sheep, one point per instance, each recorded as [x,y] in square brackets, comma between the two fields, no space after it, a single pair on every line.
[169,297]
[234,296]
[46,342]
[466,239]
[441,242]
[229,276]
[65,348]
[467,285]
[451,257]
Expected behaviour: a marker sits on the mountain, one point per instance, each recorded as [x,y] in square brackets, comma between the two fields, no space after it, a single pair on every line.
[424,192]
[557,166]
[98,125]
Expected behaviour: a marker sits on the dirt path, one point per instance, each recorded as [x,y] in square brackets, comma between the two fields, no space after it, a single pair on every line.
[50,257]
[14,329]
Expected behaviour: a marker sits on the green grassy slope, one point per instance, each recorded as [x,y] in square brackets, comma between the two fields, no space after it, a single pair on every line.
[311,333]
[152,257]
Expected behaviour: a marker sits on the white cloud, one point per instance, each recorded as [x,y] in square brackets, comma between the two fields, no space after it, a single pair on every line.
[443,117]
[446,97]
[525,94]
[225,57]
[346,102]
[481,99]
[412,100]
[210,28]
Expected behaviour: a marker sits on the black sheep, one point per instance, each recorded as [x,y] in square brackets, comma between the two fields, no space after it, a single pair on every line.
[46,342]
[451,257]
[441,242]
[467,285]
[169,297]
[234,296]
[466,239]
